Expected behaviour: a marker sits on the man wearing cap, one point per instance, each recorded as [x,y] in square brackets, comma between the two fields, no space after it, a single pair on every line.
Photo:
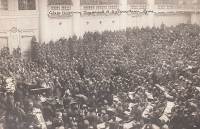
[57,121]
[19,96]
[67,99]
[92,118]
[32,121]
[19,113]
[37,103]
[114,124]
[47,112]
[58,88]
[84,125]
[137,111]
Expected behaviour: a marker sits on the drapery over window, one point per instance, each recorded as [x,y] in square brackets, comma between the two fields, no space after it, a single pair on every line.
[26,5]
[3,4]
[99,2]
[60,2]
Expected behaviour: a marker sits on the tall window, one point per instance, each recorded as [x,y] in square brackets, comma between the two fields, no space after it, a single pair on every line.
[3,4]
[26,5]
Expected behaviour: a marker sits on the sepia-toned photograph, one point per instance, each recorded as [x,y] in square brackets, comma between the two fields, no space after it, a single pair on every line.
[99,64]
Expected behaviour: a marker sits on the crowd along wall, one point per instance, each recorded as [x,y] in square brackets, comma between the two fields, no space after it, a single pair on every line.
[99,23]
[170,19]
[109,17]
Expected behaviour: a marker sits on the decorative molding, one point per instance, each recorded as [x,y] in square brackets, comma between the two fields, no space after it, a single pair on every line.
[3,23]
[14,30]
[6,37]
[28,21]
[4,31]
[60,16]
[27,31]
[22,36]
[20,15]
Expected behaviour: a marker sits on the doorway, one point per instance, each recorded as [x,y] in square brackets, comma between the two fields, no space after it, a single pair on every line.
[137,21]
[3,42]
[25,42]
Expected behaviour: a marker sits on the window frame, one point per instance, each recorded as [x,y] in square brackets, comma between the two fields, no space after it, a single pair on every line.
[26,6]
[8,6]
[14,9]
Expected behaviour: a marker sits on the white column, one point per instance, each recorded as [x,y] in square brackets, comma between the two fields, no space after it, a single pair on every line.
[44,28]
[194,18]
[151,15]
[123,16]
[76,18]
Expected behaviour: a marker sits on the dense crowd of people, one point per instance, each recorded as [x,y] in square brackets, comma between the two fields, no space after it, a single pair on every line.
[108,78]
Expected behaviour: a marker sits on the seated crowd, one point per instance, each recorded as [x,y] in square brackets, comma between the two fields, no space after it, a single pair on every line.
[108,78]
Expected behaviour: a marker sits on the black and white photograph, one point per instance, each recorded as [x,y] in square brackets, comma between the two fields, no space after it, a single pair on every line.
[99,64]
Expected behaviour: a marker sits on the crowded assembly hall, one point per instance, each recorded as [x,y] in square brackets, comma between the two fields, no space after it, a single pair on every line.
[100,64]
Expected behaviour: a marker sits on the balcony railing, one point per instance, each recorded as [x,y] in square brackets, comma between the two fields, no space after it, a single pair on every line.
[99,8]
[59,7]
[59,10]
[133,7]
[137,7]
[177,8]
[99,2]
